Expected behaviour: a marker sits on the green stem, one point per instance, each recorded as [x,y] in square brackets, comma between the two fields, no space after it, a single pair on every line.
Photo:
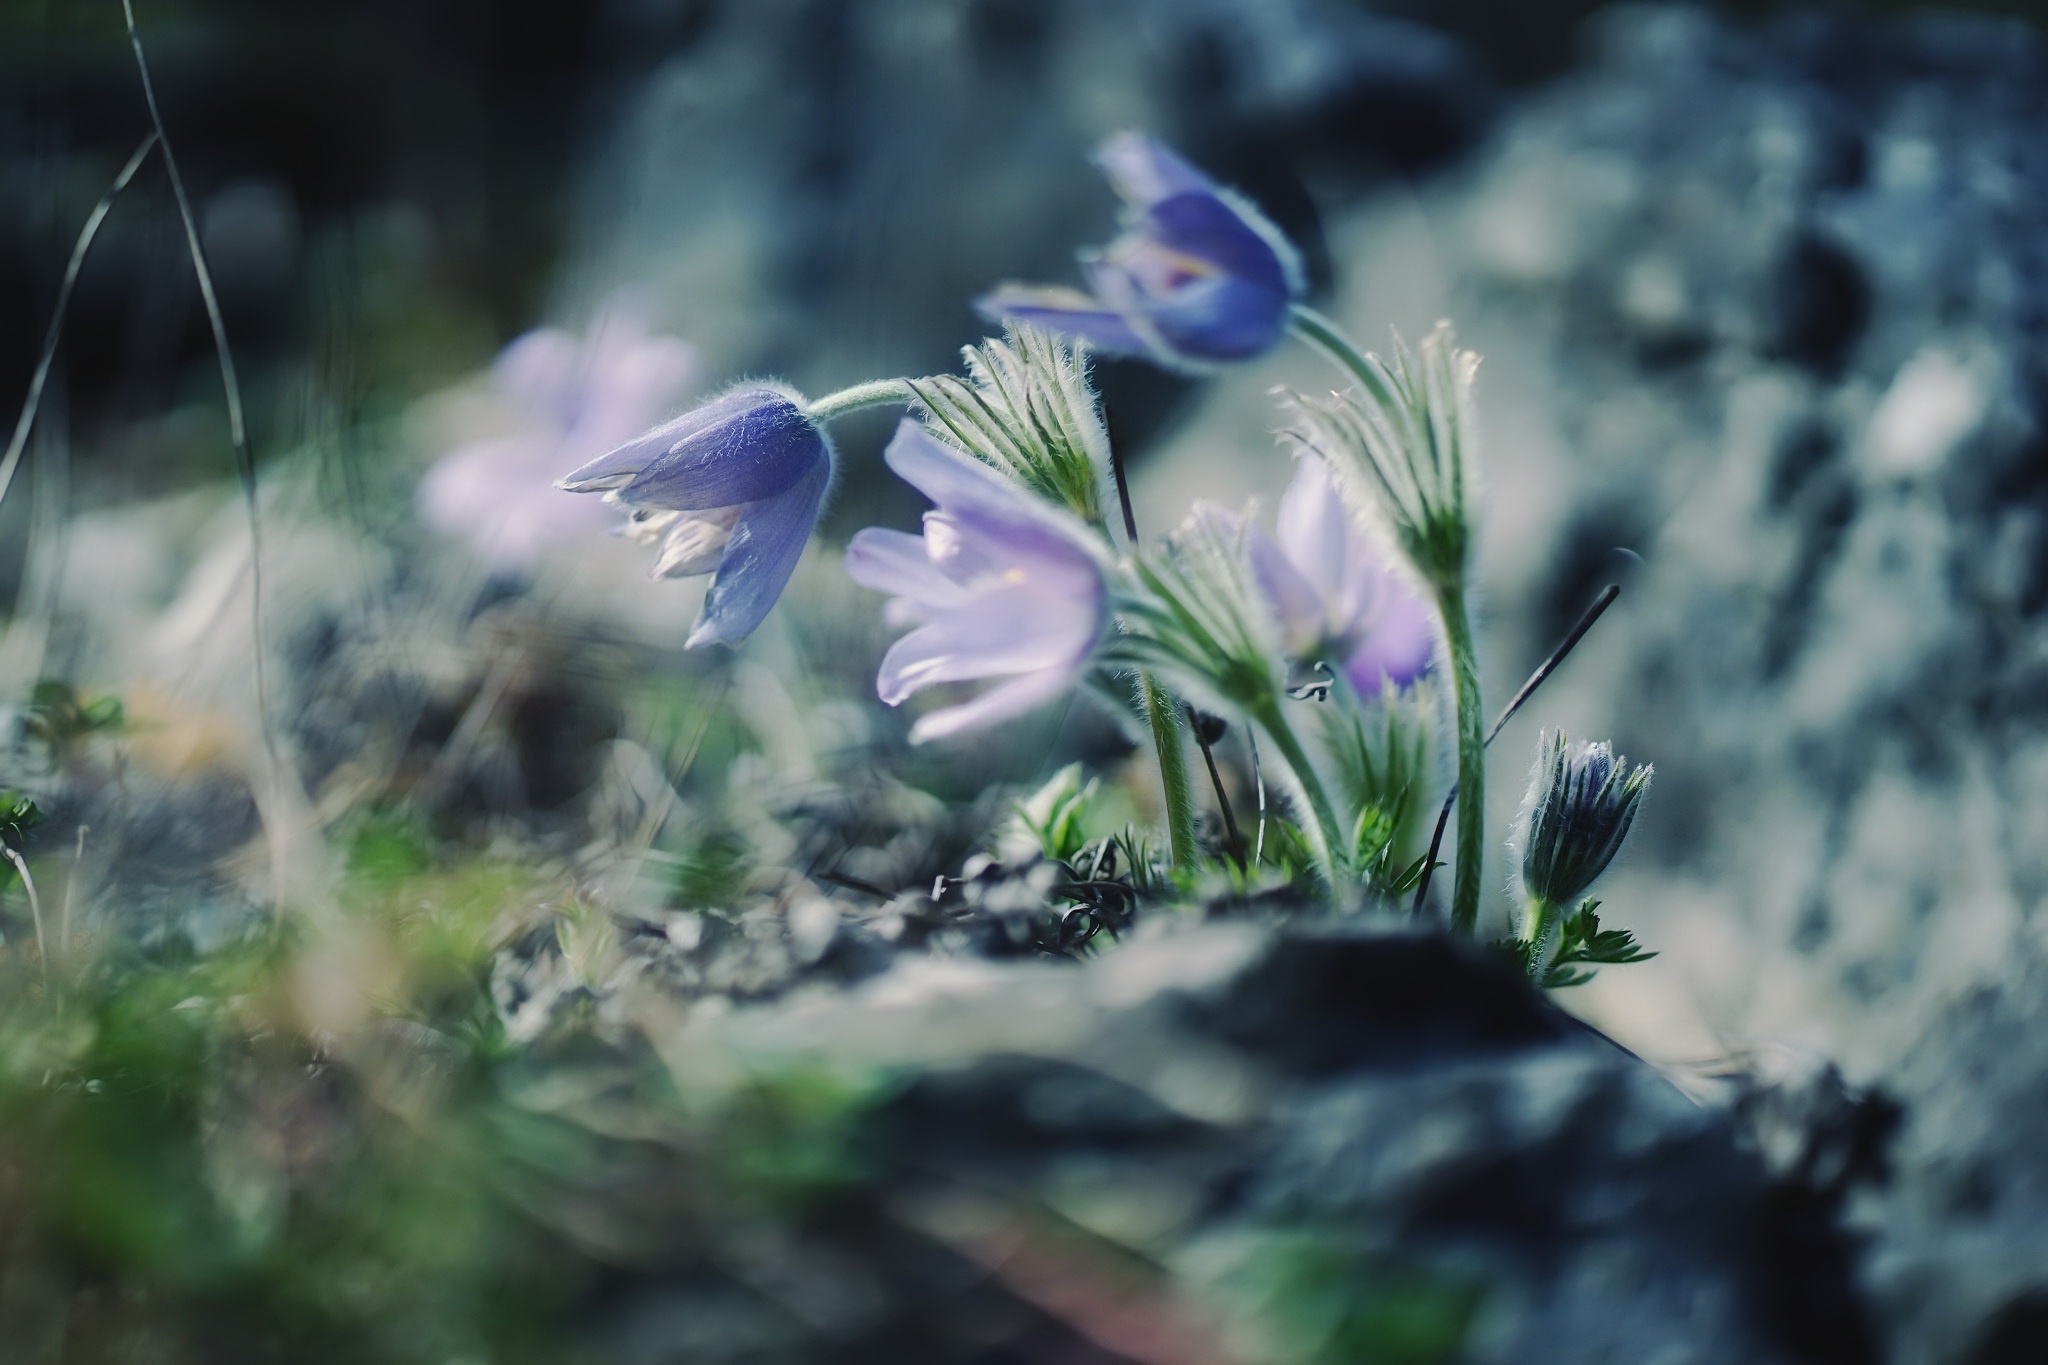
[1471,852]
[879,393]
[1326,833]
[1323,335]
[1540,924]
[1162,712]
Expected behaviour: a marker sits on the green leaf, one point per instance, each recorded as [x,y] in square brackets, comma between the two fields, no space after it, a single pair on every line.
[18,814]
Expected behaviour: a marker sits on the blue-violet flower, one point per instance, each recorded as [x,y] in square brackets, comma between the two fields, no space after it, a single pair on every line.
[1000,585]
[1199,278]
[1332,591]
[733,486]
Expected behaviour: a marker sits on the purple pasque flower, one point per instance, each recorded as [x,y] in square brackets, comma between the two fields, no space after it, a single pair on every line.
[731,487]
[1199,278]
[559,399]
[1333,592]
[1000,585]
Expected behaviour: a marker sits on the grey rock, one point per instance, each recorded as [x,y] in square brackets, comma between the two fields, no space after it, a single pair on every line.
[1593,1211]
[1770,308]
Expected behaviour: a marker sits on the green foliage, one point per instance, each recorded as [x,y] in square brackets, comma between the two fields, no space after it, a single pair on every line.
[1310,1297]
[712,873]
[62,718]
[689,725]
[791,1139]
[1055,818]
[1582,945]
[18,815]
[1143,866]
[384,847]
[1379,754]
[193,1149]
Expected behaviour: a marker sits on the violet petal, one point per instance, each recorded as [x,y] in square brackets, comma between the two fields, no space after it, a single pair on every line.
[766,543]
[1001,702]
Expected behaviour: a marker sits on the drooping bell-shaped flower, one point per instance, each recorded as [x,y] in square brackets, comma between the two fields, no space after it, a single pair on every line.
[1000,586]
[732,487]
[555,399]
[1335,597]
[1200,278]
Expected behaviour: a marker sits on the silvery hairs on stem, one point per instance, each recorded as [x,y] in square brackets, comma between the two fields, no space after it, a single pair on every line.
[1027,408]
[1403,446]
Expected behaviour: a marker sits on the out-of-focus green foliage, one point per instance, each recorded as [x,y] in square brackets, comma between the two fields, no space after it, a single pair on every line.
[18,815]
[1056,817]
[200,1163]
[1309,1297]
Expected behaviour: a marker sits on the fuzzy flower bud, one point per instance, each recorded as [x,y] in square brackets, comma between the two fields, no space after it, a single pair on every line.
[1403,445]
[1027,409]
[1582,799]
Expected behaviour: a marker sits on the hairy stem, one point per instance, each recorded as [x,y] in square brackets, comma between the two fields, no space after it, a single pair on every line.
[880,393]
[1162,713]
[1326,338]
[1540,924]
[1471,851]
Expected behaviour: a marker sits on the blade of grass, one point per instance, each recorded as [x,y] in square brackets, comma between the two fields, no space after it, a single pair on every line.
[238,434]
[40,378]
[35,907]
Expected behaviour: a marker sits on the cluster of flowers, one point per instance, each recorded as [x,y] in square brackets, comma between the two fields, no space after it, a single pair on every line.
[1019,580]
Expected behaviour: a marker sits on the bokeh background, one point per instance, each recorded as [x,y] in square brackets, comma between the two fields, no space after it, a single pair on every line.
[1763,296]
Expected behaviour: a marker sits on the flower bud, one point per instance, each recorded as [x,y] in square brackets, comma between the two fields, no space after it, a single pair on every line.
[1582,799]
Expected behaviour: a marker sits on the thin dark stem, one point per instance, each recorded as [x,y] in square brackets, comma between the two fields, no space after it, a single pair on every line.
[1123,493]
[1557,656]
[19,441]
[1436,844]
[855,884]
[1258,781]
[1528,689]
[1216,782]
[238,431]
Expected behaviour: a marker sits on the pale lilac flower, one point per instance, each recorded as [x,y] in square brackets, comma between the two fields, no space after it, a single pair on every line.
[732,486]
[1330,586]
[1000,585]
[564,399]
[1199,277]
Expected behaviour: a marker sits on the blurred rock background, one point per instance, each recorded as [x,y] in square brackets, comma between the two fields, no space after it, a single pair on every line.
[1763,294]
